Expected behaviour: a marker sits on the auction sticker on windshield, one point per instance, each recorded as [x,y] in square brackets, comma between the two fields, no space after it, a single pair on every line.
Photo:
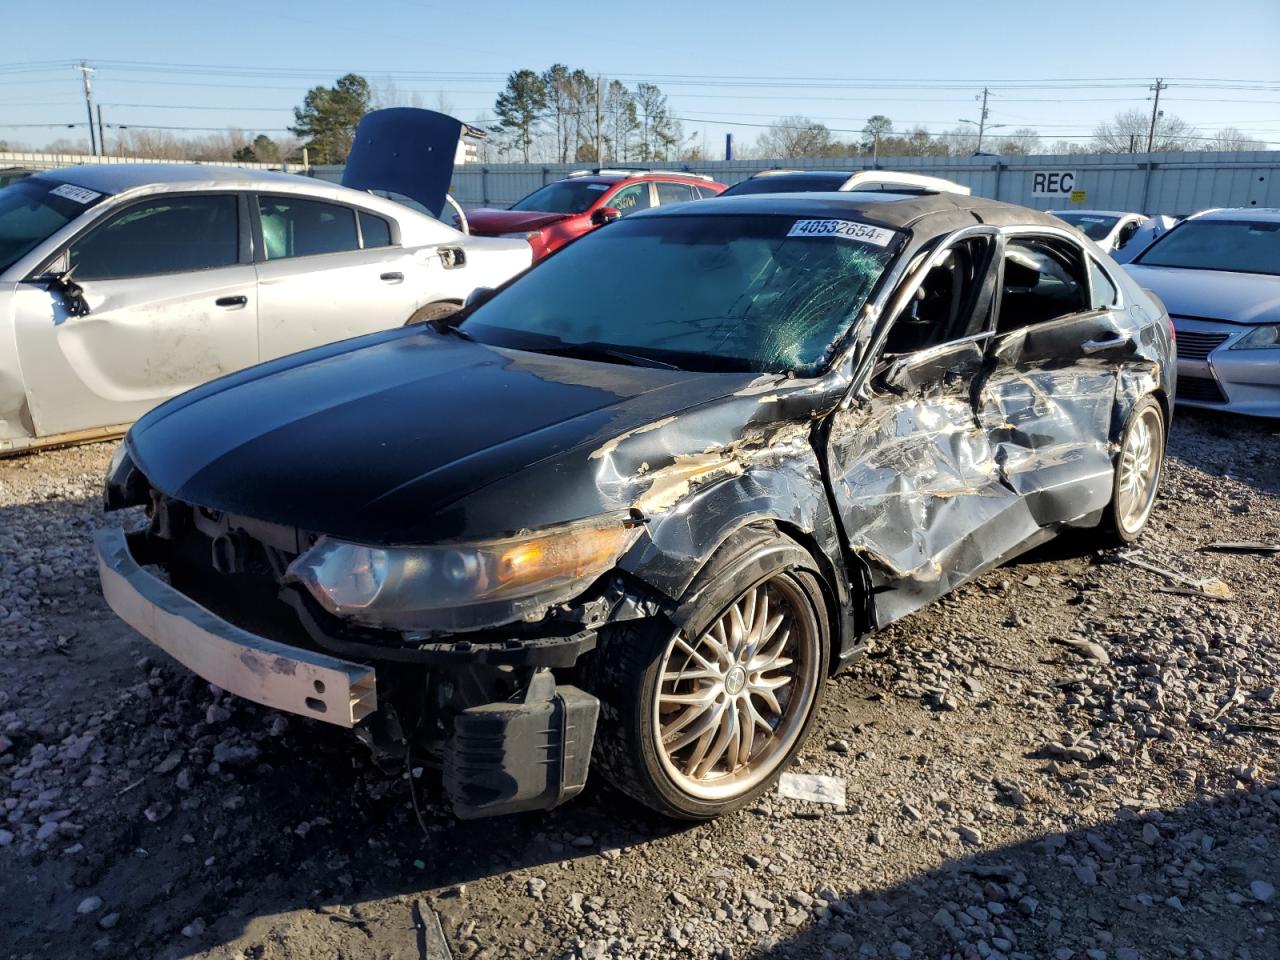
[72,192]
[843,229]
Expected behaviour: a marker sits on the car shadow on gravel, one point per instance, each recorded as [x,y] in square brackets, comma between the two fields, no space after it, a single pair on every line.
[1194,881]
[1223,444]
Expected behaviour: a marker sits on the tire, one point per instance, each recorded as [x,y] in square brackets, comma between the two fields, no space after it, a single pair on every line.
[635,667]
[1139,469]
[434,311]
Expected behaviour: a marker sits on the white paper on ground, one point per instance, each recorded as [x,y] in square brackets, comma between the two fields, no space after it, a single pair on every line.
[817,789]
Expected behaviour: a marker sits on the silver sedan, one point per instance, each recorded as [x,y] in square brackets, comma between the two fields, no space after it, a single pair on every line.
[124,285]
[1218,274]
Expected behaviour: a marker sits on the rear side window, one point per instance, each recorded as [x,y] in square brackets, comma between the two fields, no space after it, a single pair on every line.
[173,234]
[674,193]
[1043,280]
[706,192]
[374,231]
[295,227]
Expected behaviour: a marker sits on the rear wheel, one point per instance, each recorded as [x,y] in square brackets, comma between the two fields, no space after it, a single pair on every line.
[1139,467]
[697,723]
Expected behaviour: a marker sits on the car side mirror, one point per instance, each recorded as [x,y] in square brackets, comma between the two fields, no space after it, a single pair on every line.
[605,215]
[72,293]
[478,296]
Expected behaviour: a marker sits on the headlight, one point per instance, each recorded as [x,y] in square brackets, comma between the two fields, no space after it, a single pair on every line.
[462,586]
[530,235]
[1259,338]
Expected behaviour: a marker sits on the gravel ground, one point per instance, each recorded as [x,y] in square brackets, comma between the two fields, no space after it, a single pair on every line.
[1059,761]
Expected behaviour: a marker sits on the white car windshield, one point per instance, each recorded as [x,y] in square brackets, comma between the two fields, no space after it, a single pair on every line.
[750,293]
[1241,246]
[33,209]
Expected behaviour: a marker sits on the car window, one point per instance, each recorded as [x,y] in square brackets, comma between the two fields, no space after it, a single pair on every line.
[374,231]
[729,292]
[674,192]
[788,183]
[1043,280]
[706,193]
[1241,246]
[33,210]
[563,196]
[1104,291]
[1126,233]
[1092,225]
[173,234]
[630,199]
[943,306]
[296,227]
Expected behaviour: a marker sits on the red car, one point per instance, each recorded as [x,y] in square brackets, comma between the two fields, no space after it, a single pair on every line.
[553,215]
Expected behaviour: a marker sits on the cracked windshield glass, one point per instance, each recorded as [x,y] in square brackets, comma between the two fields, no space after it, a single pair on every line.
[759,293]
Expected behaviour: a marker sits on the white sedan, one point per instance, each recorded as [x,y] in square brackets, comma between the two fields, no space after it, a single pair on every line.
[123,285]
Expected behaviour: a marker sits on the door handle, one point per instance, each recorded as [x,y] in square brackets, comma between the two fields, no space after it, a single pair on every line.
[239,301]
[1097,346]
[395,277]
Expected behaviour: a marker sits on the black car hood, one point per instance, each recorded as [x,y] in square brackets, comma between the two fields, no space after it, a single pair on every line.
[381,439]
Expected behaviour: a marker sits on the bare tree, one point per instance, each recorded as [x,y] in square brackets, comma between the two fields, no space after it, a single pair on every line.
[1127,132]
[794,136]
[877,129]
[1020,142]
[1233,140]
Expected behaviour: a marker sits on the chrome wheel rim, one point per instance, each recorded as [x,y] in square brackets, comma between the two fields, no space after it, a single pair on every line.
[731,705]
[1140,460]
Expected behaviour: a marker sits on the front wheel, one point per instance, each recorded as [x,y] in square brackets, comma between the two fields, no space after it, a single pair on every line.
[698,724]
[1139,467]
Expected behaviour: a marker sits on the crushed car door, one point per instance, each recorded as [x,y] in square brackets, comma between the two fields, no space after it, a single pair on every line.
[911,469]
[1053,366]
[171,303]
[317,283]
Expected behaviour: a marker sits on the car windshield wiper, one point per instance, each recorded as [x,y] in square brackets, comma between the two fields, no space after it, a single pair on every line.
[600,351]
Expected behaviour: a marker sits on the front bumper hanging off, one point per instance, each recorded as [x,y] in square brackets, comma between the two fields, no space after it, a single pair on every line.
[274,674]
[506,757]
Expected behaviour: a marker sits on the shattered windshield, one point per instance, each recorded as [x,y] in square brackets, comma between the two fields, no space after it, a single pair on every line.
[1090,224]
[34,209]
[566,196]
[723,292]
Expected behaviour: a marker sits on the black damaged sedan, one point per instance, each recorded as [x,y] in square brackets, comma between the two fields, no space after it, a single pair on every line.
[633,509]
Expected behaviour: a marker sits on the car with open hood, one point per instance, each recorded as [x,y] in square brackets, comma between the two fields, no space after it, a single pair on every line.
[1218,273]
[650,494]
[122,285]
[566,209]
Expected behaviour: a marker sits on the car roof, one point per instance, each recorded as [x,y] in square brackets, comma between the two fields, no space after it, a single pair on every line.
[118,177]
[620,175]
[1098,213]
[1260,214]
[895,210]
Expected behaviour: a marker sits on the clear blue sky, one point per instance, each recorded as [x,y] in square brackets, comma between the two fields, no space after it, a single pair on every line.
[248,63]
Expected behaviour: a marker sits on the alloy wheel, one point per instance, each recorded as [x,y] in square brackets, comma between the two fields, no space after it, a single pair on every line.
[1141,458]
[731,705]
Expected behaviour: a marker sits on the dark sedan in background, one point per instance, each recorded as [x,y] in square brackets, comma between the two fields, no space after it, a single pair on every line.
[649,494]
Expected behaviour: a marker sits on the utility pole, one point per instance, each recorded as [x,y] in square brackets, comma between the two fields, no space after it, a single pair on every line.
[85,70]
[599,123]
[102,137]
[1155,113]
[982,118]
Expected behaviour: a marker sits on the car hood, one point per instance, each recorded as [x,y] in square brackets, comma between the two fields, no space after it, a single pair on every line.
[1213,294]
[383,439]
[404,150]
[511,221]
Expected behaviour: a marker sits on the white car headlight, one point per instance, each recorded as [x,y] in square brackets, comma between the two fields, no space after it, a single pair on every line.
[462,586]
[1259,338]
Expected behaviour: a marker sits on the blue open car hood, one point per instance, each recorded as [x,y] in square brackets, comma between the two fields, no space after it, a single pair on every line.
[405,150]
